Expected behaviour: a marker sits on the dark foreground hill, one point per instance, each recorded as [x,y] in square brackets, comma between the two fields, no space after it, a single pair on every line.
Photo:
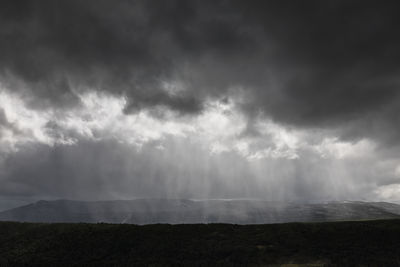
[363,243]
[176,211]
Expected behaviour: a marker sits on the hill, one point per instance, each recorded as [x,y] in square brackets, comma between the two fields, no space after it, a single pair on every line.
[175,211]
[362,243]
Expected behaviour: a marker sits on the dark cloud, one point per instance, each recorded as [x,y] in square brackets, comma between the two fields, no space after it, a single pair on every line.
[309,64]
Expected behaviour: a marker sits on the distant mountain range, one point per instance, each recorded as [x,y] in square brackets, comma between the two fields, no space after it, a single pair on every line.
[174,211]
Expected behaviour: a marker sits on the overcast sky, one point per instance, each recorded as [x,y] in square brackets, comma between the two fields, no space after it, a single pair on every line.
[276,100]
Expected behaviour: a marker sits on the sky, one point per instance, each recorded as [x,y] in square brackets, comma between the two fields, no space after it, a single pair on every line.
[275,100]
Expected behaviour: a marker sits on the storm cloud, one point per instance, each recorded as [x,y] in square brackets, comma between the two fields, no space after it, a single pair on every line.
[303,83]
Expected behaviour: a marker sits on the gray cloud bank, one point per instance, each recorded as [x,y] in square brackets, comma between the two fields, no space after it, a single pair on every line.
[305,64]
[110,170]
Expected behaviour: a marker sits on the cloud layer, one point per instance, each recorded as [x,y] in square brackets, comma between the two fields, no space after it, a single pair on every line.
[308,87]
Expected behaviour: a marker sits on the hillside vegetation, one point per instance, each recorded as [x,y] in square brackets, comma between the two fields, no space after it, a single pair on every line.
[362,243]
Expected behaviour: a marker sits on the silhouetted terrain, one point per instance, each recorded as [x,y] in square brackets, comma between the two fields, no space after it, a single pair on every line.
[175,211]
[362,243]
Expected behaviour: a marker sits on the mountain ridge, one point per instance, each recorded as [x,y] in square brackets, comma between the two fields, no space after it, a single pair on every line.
[176,211]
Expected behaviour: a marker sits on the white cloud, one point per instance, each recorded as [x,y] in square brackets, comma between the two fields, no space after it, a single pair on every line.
[332,147]
[28,125]
[219,128]
[388,192]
